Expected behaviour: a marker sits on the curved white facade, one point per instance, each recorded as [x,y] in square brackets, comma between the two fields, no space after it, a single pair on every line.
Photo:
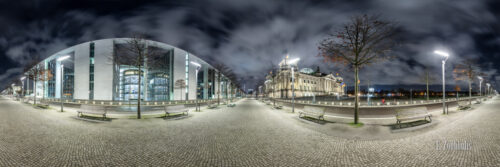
[91,73]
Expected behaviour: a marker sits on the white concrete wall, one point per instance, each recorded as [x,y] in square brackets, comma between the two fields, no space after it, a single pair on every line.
[82,70]
[103,70]
[217,94]
[192,82]
[179,72]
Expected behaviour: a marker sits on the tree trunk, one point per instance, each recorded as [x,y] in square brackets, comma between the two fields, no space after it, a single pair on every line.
[34,90]
[218,91]
[470,93]
[356,90]
[427,83]
[139,96]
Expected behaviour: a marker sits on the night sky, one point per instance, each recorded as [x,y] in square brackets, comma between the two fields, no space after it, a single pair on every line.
[251,36]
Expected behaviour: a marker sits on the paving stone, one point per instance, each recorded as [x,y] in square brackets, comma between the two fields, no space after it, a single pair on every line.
[250,134]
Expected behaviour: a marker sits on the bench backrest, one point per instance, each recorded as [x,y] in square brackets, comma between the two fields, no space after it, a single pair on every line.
[173,108]
[463,103]
[314,109]
[412,111]
[92,107]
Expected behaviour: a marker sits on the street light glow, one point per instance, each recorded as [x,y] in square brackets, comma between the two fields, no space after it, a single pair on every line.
[441,53]
[196,64]
[63,58]
[294,61]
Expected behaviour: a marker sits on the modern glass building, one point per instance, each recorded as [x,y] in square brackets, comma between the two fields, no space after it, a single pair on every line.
[104,70]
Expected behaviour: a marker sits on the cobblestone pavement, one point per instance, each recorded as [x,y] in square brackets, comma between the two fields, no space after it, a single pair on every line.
[250,134]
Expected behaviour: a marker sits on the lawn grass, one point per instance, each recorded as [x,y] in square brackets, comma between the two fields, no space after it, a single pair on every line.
[356,125]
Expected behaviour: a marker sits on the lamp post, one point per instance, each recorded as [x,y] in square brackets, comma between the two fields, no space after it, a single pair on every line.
[488,89]
[445,55]
[198,67]
[293,82]
[61,59]
[22,87]
[480,83]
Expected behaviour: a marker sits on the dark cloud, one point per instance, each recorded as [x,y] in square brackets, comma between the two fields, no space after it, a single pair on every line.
[251,36]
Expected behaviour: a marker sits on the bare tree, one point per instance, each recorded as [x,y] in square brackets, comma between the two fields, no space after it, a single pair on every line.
[427,78]
[362,41]
[467,70]
[33,70]
[180,84]
[234,84]
[222,69]
[137,53]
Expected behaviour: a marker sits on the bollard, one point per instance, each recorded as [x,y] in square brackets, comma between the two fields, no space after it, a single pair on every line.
[406,102]
[378,103]
[340,103]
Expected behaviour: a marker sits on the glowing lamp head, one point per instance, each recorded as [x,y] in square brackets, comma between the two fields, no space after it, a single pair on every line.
[444,54]
[294,61]
[63,58]
[198,66]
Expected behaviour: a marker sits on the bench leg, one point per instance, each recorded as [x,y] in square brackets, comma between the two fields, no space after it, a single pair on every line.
[430,120]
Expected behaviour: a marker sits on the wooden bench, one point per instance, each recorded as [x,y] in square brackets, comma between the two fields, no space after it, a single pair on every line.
[313,112]
[231,105]
[212,105]
[412,114]
[27,100]
[169,110]
[462,105]
[91,110]
[478,101]
[268,102]
[278,106]
[43,104]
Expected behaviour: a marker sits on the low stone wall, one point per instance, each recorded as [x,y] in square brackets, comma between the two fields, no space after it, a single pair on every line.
[371,111]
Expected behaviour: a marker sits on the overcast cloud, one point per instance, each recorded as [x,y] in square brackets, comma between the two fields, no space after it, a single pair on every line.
[252,36]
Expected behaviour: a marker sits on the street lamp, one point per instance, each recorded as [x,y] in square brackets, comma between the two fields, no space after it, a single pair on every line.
[293,82]
[198,67]
[480,83]
[61,59]
[488,90]
[445,55]
[22,86]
